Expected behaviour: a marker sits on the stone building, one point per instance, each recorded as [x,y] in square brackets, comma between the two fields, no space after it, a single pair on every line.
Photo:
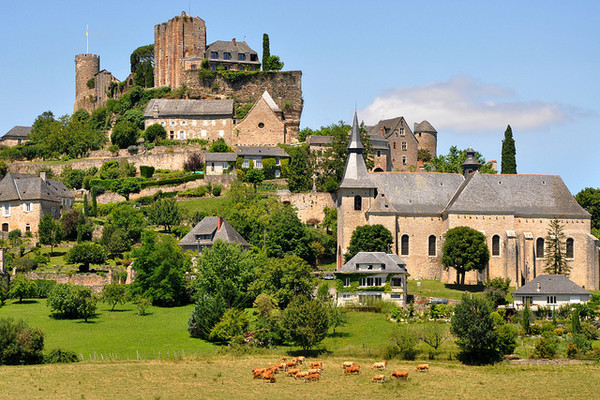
[231,55]
[208,231]
[17,135]
[263,125]
[219,163]
[257,155]
[24,199]
[513,212]
[192,119]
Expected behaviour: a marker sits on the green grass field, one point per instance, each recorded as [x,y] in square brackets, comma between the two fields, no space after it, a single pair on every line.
[210,205]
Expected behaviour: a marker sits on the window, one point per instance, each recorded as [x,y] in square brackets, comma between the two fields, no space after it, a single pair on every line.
[277,173]
[213,67]
[402,132]
[227,56]
[212,166]
[241,57]
[203,132]
[194,66]
[539,248]
[221,133]
[27,228]
[369,282]
[258,163]
[6,210]
[246,163]
[183,123]
[570,250]
[163,123]
[171,135]
[495,245]
[214,55]
[261,125]
[253,57]
[551,299]
[394,145]
[527,299]
[403,146]
[5,227]
[181,135]
[432,245]
[277,161]
[346,282]
[357,203]
[404,245]
[205,123]
[378,153]
[27,207]
[173,123]
[213,122]
[224,122]
[403,160]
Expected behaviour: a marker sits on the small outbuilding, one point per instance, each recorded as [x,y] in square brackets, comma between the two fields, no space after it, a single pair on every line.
[208,231]
[371,276]
[550,291]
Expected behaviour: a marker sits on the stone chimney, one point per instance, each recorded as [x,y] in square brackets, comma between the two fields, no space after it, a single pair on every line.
[219,223]
[233,41]
[43,175]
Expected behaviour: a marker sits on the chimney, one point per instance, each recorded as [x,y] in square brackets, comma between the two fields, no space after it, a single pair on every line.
[43,175]
[233,41]
[219,223]
[539,287]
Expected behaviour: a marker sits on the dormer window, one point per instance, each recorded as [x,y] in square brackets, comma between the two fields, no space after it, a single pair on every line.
[227,56]
[241,57]
[214,55]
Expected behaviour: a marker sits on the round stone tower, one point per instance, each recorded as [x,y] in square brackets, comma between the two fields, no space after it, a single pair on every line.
[427,137]
[86,66]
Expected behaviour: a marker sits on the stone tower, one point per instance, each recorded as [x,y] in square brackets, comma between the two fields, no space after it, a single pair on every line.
[427,137]
[86,67]
[180,37]
[355,195]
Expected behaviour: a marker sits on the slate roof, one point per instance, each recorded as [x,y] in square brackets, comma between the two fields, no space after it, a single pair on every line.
[220,157]
[551,285]
[355,172]
[264,151]
[189,108]
[208,226]
[30,187]
[388,126]
[424,127]
[476,196]
[378,142]
[316,140]
[393,263]
[17,132]
[222,46]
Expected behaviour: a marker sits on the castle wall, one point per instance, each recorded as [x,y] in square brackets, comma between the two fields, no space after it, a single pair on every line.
[427,141]
[310,205]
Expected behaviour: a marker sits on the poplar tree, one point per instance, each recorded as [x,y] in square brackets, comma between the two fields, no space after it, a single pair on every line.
[509,160]
[266,52]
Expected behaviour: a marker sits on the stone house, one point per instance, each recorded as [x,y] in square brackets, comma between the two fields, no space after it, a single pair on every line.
[192,119]
[550,291]
[231,55]
[219,163]
[17,135]
[24,199]
[513,212]
[263,125]
[371,275]
[208,231]
[257,156]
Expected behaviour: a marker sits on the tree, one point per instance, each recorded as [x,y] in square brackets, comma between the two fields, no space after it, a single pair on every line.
[206,314]
[142,65]
[124,134]
[424,155]
[300,171]
[305,322]
[369,238]
[85,228]
[266,51]
[434,334]
[126,186]
[50,232]
[219,146]
[164,212]
[555,252]
[86,253]
[589,199]
[233,323]
[287,235]
[254,176]
[128,219]
[20,344]
[71,301]
[22,288]
[338,316]
[114,293]
[160,265]
[69,223]
[496,290]
[155,131]
[452,162]
[273,63]
[404,338]
[509,160]
[284,279]
[526,319]
[464,250]
[473,326]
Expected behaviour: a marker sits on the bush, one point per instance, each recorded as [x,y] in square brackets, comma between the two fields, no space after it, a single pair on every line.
[114,150]
[70,301]
[507,338]
[59,356]
[194,162]
[153,132]
[20,344]
[25,264]
[216,190]
[124,134]
[206,314]
[146,171]
[545,347]
[44,286]
[232,323]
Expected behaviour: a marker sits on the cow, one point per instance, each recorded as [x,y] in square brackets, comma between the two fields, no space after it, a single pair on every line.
[258,374]
[422,367]
[378,378]
[268,377]
[311,377]
[300,359]
[355,369]
[314,371]
[316,364]
[292,372]
[347,364]
[400,374]
[379,365]
[282,366]
[283,358]
[290,364]
[301,374]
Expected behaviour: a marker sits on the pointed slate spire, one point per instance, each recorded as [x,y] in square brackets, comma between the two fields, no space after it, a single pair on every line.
[356,174]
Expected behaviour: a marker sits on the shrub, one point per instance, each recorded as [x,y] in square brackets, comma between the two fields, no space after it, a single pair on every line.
[155,131]
[133,149]
[25,264]
[20,344]
[59,356]
[507,338]
[232,323]
[114,150]
[44,286]
[142,304]
[216,191]
[146,171]
[194,162]
[206,314]
[124,134]
[70,301]
[545,347]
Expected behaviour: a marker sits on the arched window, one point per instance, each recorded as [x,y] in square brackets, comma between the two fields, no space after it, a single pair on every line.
[357,203]
[570,250]
[539,248]
[432,243]
[404,245]
[495,245]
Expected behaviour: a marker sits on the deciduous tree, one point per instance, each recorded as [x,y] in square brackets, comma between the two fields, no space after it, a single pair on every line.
[86,253]
[305,322]
[22,288]
[164,212]
[369,238]
[50,232]
[464,250]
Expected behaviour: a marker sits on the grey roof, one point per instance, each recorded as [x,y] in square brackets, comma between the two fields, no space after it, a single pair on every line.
[313,140]
[270,102]
[424,127]
[393,263]
[378,142]
[209,226]
[264,151]
[220,157]
[355,172]
[476,196]
[385,125]
[18,132]
[381,205]
[355,141]
[189,108]
[221,46]
[550,285]
[30,187]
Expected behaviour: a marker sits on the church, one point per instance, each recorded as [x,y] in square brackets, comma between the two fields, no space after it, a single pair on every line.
[512,211]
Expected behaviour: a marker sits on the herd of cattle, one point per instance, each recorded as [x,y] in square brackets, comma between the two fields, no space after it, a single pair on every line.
[294,370]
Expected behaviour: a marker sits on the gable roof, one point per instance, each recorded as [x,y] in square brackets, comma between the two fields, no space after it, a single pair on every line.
[164,108]
[30,187]
[264,151]
[209,226]
[270,102]
[233,47]
[18,132]
[219,157]
[550,285]
[316,140]
[393,263]
[475,195]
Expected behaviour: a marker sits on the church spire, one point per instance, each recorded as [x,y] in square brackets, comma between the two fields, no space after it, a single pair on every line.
[356,174]
[355,142]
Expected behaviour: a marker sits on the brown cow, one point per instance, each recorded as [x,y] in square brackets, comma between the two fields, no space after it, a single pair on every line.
[316,364]
[258,374]
[311,377]
[301,374]
[347,364]
[314,371]
[400,374]
[283,358]
[300,359]
[292,372]
[379,365]
[378,378]
[422,367]
[281,366]
[355,369]
[290,364]
[268,377]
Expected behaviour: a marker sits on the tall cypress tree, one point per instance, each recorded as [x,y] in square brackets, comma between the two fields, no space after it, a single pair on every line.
[266,52]
[509,160]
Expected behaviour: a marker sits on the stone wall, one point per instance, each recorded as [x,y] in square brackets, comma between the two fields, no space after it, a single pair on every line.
[285,87]
[94,281]
[309,205]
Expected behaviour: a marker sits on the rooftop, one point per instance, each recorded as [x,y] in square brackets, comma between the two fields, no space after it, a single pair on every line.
[550,285]
[164,108]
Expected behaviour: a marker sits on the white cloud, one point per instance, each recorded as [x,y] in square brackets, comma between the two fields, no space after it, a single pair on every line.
[463,105]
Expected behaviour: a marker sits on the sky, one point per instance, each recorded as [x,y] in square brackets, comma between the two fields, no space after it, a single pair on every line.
[470,68]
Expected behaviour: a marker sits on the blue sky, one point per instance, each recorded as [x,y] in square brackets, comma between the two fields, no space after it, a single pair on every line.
[468,67]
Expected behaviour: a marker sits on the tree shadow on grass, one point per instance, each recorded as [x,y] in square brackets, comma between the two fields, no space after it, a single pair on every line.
[117,310]
[26,302]
[338,335]
[465,288]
